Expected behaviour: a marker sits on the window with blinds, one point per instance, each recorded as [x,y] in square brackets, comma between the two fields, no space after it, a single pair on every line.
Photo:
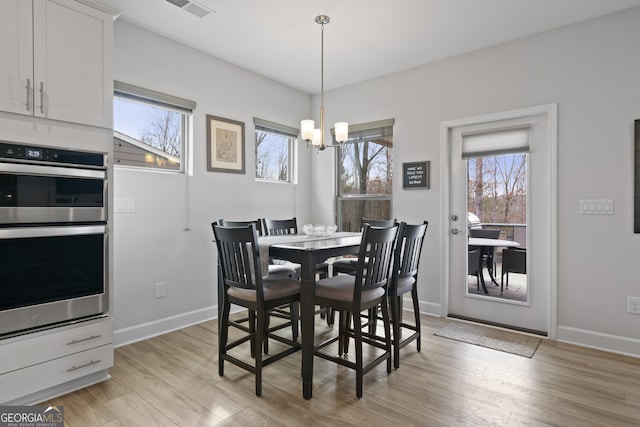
[365,174]
[497,164]
[150,128]
[274,150]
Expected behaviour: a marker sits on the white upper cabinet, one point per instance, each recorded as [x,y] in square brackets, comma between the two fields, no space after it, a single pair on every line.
[16,51]
[56,61]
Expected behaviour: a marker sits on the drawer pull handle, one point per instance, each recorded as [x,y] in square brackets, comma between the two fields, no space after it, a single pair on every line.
[75,368]
[92,337]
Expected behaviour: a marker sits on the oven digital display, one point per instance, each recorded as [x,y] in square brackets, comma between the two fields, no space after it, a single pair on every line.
[34,153]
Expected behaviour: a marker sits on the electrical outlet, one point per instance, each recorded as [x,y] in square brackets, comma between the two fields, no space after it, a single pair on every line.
[633,305]
[159,290]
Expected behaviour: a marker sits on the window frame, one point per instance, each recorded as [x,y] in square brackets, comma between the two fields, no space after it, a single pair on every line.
[278,130]
[355,132]
[157,100]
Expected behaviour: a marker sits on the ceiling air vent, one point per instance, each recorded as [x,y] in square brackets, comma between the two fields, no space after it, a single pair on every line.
[191,7]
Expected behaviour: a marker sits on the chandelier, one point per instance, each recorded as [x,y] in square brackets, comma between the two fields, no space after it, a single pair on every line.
[308,131]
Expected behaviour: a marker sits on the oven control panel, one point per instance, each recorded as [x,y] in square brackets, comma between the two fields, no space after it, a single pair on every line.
[35,154]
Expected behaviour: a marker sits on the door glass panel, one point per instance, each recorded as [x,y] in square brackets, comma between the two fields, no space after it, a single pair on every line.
[497,216]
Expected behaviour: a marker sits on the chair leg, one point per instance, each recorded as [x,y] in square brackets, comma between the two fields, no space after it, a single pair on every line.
[373,319]
[344,319]
[395,321]
[416,314]
[331,316]
[294,309]
[262,324]
[252,331]
[357,330]
[265,339]
[387,334]
[224,336]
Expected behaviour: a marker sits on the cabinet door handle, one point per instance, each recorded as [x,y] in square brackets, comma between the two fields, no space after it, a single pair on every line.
[89,363]
[42,97]
[92,337]
[28,87]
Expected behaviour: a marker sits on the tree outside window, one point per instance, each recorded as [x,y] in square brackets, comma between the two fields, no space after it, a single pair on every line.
[272,156]
[150,128]
[274,150]
[365,175]
[498,188]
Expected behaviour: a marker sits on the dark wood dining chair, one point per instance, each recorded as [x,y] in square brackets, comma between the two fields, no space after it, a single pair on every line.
[244,285]
[354,293]
[348,265]
[292,312]
[283,270]
[404,279]
[281,227]
[514,260]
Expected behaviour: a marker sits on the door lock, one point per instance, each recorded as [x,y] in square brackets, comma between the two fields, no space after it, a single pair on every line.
[454,217]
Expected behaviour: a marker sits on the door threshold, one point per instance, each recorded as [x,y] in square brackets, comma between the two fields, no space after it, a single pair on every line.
[498,325]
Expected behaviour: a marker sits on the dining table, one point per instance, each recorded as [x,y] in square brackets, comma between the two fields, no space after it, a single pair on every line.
[309,251]
[494,243]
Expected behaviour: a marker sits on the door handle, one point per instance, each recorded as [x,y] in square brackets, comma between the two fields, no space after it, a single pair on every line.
[455,231]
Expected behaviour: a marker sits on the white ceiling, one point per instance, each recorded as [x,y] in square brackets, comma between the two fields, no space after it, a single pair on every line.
[365,38]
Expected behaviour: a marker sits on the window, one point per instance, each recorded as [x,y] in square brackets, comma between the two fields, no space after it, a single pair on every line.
[365,174]
[497,175]
[274,148]
[150,128]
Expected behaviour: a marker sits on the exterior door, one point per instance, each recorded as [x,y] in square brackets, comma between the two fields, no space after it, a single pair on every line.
[536,314]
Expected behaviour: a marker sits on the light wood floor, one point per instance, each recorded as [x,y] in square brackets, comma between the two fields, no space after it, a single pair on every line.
[172,380]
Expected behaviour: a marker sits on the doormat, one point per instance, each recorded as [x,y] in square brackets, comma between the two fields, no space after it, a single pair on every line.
[496,339]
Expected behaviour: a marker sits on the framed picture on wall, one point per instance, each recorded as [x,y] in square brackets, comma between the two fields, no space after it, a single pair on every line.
[225,145]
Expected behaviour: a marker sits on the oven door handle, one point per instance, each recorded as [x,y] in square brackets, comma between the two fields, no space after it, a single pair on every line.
[30,232]
[42,170]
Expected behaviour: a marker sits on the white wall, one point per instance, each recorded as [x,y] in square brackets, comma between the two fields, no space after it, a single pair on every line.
[591,71]
[153,244]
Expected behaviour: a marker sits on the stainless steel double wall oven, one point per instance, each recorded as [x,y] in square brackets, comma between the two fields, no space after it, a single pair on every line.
[53,236]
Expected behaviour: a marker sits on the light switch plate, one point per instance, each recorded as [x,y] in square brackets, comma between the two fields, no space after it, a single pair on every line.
[125,204]
[596,207]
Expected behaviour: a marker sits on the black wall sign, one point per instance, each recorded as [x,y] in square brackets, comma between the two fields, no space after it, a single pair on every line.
[415,175]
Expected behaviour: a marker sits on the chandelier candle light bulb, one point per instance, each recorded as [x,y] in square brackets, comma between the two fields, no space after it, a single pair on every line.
[312,135]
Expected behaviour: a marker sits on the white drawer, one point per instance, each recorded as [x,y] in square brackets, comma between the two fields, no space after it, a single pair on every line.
[40,377]
[53,344]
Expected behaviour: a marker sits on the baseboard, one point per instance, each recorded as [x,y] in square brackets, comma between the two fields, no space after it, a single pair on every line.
[162,326]
[426,307]
[599,341]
